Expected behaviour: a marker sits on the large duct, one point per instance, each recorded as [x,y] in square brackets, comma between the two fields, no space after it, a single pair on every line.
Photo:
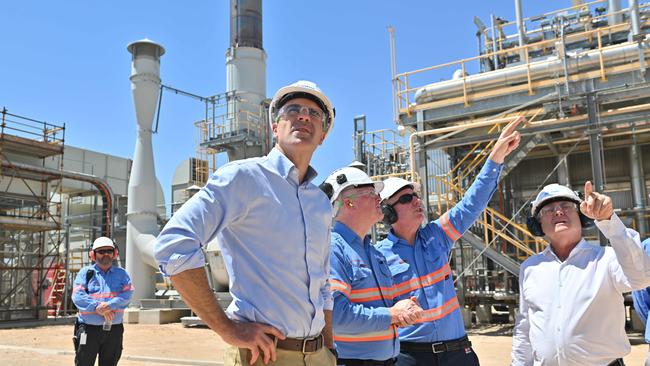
[548,68]
[141,219]
[246,77]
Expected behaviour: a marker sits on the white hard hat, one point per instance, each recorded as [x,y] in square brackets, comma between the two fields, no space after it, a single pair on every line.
[393,185]
[101,242]
[343,178]
[551,193]
[303,89]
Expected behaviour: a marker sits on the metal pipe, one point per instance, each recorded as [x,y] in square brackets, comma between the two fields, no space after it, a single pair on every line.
[614,55]
[495,57]
[637,181]
[613,15]
[634,18]
[393,72]
[521,31]
[103,187]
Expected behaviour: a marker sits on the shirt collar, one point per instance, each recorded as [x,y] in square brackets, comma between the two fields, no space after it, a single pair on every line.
[346,233]
[285,167]
[396,239]
[98,269]
[582,245]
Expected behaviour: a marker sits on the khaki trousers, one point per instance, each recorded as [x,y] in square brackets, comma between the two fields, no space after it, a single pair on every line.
[234,356]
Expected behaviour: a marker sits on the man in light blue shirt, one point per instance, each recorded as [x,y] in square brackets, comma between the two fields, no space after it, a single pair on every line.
[365,317]
[273,227]
[101,293]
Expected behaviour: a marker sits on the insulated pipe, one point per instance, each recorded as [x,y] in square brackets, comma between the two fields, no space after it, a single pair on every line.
[100,184]
[638,184]
[517,74]
[614,6]
[520,30]
[141,217]
[634,18]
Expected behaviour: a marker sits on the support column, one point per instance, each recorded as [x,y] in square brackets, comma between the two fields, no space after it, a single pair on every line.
[637,181]
[595,145]
[421,162]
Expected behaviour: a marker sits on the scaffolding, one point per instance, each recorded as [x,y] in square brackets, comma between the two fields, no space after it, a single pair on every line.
[30,217]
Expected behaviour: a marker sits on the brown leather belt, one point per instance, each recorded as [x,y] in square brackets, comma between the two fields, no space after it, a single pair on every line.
[304,345]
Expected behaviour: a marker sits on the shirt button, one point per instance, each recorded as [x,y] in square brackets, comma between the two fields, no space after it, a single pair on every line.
[558,329]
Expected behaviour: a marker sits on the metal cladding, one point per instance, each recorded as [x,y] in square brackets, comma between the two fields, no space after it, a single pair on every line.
[141,222]
[246,23]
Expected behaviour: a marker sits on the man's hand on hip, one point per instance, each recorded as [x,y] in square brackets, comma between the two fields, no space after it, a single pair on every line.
[255,337]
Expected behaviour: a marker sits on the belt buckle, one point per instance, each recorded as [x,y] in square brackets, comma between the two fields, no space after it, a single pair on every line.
[304,344]
[433,347]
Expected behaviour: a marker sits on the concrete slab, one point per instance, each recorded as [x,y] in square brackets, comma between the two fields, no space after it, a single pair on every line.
[484,314]
[131,316]
[161,316]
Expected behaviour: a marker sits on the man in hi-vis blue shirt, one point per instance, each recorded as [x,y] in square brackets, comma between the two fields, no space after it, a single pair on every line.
[418,260]
[101,293]
[365,316]
[273,228]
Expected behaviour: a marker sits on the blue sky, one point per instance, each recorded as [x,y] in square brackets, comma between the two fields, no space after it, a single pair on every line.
[66,61]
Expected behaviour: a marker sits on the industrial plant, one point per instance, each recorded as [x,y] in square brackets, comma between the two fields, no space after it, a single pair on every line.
[578,75]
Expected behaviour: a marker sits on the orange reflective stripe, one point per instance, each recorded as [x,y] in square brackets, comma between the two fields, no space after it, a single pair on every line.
[94,312]
[382,335]
[415,283]
[340,286]
[104,295]
[449,229]
[441,311]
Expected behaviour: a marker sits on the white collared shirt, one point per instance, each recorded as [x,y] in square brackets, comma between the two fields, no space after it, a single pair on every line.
[571,313]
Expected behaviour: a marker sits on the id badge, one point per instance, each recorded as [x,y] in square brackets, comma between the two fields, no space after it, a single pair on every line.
[82,338]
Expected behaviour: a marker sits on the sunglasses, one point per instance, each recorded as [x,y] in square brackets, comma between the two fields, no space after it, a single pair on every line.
[104,251]
[406,198]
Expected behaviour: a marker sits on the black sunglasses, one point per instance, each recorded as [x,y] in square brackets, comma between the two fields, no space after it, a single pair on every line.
[105,251]
[406,198]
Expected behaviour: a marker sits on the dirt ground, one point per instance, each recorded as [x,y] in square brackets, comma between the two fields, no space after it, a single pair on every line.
[172,344]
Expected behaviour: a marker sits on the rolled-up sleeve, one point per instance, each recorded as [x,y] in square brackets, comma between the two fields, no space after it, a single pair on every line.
[197,222]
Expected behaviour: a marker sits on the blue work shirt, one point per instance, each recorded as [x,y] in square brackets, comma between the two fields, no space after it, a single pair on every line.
[113,286]
[641,299]
[361,284]
[274,234]
[422,270]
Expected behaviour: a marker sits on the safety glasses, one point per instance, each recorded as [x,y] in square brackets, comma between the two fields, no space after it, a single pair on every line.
[295,110]
[104,251]
[406,198]
[551,209]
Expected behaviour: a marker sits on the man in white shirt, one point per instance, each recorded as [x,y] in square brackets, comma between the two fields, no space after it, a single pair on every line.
[570,295]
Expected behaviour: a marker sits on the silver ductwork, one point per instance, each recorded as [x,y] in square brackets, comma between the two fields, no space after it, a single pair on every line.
[549,68]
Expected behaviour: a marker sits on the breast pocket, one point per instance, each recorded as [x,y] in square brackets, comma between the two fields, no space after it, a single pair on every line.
[360,271]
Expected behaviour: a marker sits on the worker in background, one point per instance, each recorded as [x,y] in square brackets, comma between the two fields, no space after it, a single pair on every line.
[365,317]
[418,260]
[641,299]
[273,227]
[101,293]
[571,308]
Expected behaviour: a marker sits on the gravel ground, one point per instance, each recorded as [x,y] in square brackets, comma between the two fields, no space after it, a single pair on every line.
[172,344]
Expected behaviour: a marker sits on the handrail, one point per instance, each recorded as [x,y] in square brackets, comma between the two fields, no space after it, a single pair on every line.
[404,90]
